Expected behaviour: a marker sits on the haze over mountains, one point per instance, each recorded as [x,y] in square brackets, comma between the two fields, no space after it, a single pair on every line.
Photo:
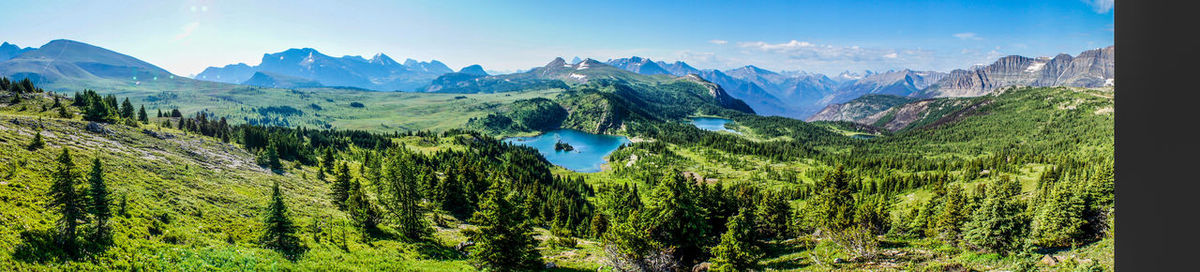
[788,93]
[67,60]
[380,72]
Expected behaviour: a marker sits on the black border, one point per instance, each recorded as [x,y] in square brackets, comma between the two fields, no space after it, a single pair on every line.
[1157,104]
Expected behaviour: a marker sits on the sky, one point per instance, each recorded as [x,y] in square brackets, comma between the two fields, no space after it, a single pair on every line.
[829,37]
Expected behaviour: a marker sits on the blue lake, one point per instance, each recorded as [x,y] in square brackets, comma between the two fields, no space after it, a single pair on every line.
[712,124]
[589,153]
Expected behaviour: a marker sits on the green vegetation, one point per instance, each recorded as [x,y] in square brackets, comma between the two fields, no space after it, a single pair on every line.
[996,185]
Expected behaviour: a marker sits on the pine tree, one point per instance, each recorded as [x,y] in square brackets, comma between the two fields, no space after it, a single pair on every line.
[66,199]
[98,196]
[142,115]
[954,213]
[327,160]
[363,214]
[341,186]
[160,115]
[280,233]
[36,143]
[737,250]
[269,156]
[126,109]
[97,111]
[1060,220]
[405,199]
[834,204]
[677,218]
[505,240]
[772,215]
[451,196]
[63,113]
[997,225]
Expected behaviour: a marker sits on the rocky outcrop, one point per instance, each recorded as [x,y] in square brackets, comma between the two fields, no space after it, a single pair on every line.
[859,108]
[723,98]
[1092,68]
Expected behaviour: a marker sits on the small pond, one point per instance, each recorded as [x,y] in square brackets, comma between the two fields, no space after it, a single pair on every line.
[712,124]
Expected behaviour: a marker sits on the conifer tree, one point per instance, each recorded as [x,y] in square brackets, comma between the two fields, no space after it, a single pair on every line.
[772,215]
[269,156]
[67,201]
[280,233]
[834,204]
[954,213]
[505,240]
[142,115]
[997,225]
[737,250]
[405,198]
[363,214]
[327,160]
[98,197]
[677,219]
[160,115]
[63,113]
[341,186]
[1059,221]
[36,143]
[451,196]
[126,109]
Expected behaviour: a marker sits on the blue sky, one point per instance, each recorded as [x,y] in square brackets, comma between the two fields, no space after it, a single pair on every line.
[824,36]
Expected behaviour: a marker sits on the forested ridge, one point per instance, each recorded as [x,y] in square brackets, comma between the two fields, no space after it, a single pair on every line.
[1024,176]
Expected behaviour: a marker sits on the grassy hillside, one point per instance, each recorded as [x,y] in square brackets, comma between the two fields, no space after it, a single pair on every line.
[196,202]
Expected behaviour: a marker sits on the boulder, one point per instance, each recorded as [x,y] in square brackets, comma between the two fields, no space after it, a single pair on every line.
[701,267]
[97,128]
[551,265]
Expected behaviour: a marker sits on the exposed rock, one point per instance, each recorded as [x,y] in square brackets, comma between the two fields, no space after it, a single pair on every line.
[551,265]
[1049,260]
[701,267]
[98,128]
[1091,68]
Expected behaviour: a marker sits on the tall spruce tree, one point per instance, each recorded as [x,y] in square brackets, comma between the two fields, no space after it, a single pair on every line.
[677,218]
[280,233]
[67,201]
[341,186]
[738,250]
[141,115]
[997,225]
[99,202]
[505,240]
[363,214]
[127,109]
[834,204]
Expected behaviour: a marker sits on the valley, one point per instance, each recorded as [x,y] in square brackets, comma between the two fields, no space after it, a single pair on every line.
[588,165]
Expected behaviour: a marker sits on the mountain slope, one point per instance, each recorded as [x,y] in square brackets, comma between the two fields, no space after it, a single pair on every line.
[859,108]
[273,80]
[71,60]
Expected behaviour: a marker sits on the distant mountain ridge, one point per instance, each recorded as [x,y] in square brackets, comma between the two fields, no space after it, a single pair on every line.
[9,51]
[804,95]
[380,72]
[67,60]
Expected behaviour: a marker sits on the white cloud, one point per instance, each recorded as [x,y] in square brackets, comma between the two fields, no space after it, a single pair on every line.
[1100,6]
[799,50]
[967,36]
[187,30]
[718,42]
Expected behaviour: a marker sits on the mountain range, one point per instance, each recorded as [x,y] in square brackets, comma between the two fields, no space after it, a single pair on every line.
[801,95]
[788,93]
[380,72]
